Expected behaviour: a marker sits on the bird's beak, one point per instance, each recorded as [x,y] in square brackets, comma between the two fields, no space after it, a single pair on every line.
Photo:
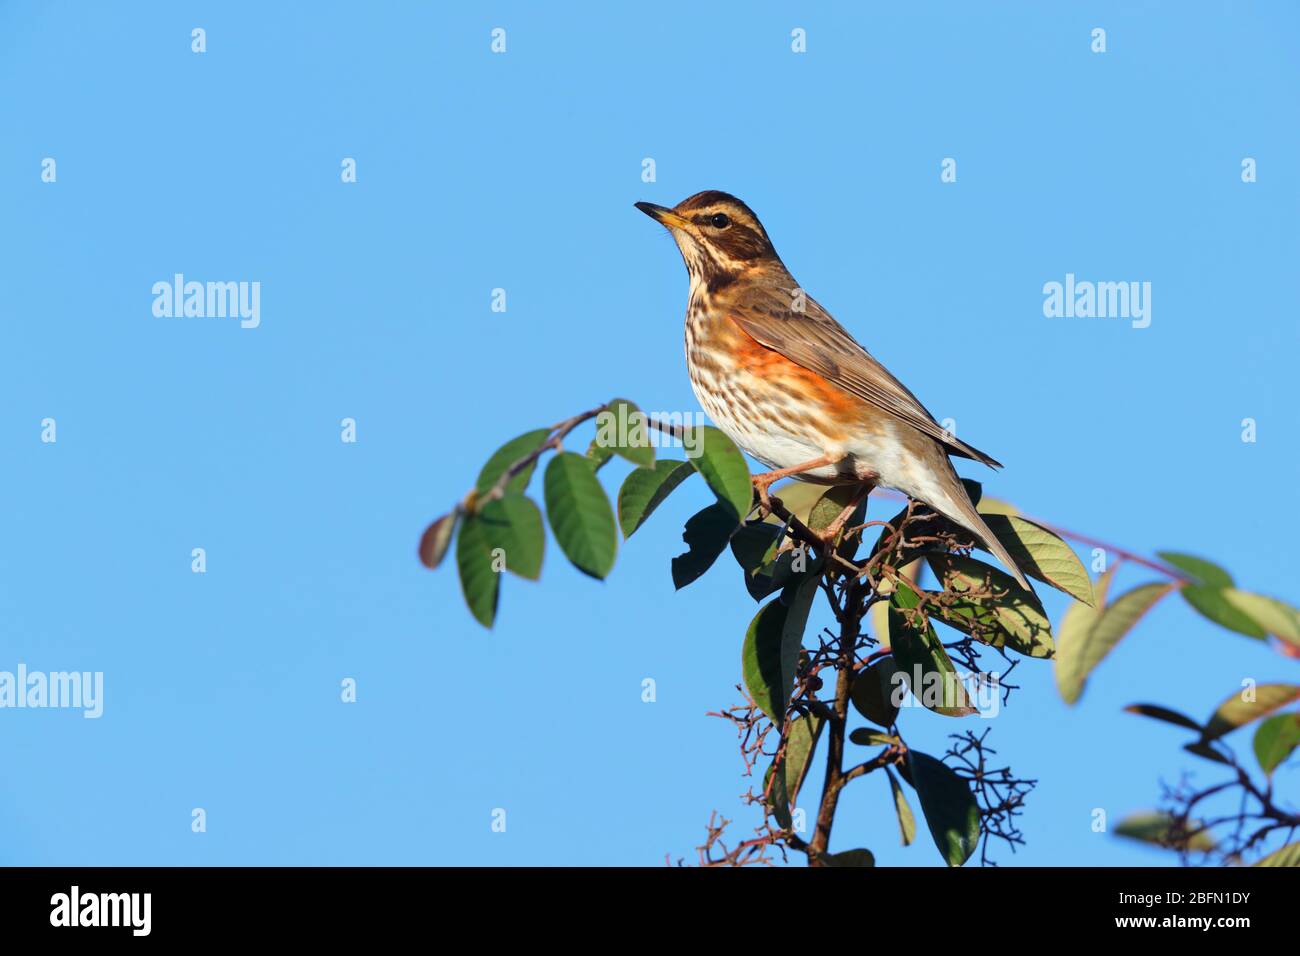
[663,214]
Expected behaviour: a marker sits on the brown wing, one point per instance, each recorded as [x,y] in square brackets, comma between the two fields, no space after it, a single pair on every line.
[813,339]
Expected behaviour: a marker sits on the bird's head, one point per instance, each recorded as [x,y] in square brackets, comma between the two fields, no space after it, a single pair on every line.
[719,236]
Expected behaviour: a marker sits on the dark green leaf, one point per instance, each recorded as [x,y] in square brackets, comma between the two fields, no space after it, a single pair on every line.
[1202,571]
[1247,705]
[918,653]
[777,797]
[874,691]
[622,429]
[770,655]
[436,538]
[1275,740]
[950,809]
[856,858]
[478,582]
[707,533]
[805,731]
[1013,618]
[580,514]
[505,456]
[755,544]
[645,489]
[771,577]
[513,527]
[1212,602]
[1206,751]
[723,467]
[1156,712]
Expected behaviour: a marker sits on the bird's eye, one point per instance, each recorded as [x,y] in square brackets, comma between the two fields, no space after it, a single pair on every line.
[719,221]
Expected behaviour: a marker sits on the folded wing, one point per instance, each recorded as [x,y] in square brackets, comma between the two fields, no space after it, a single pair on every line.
[813,339]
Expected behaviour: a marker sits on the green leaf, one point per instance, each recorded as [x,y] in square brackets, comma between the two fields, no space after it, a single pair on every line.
[1207,752]
[580,514]
[1158,829]
[1238,710]
[513,524]
[1080,656]
[873,692]
[622,429]
[1279,619]
[1288,855]
[723,467]
[645,489]
[799,598]
[436,538]
[1015,619]
[1213,603]
[831,504]
[478,582]
[1041,554]
[1202,571]
[1156,712]
[599,457]
[769,559]
[799,498]
[804,734]
[917,651]
[906,821]
[505,456]
[707,533]
[1275,740]
[778,800]
[857,858]
[950,809]
[754,545]
[1072,636]
[770,655]
[869,737]
[773,576]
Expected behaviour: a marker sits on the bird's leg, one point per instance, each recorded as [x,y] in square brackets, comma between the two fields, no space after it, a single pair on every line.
[834,528]
[765,480]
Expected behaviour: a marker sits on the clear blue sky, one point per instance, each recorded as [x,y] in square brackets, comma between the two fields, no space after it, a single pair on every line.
[519,171]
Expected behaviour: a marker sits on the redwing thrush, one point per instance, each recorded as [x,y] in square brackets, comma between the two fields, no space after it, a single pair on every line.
[790,386]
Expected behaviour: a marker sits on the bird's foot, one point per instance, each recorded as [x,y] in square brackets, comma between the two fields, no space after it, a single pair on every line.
[762,487]
[832,530]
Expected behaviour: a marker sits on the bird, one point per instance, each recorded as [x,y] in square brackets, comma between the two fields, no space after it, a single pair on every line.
[791,387]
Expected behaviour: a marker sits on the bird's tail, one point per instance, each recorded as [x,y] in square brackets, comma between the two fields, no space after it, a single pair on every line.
[957,506]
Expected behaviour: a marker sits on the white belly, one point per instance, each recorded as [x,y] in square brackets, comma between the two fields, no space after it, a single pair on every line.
[870,453]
